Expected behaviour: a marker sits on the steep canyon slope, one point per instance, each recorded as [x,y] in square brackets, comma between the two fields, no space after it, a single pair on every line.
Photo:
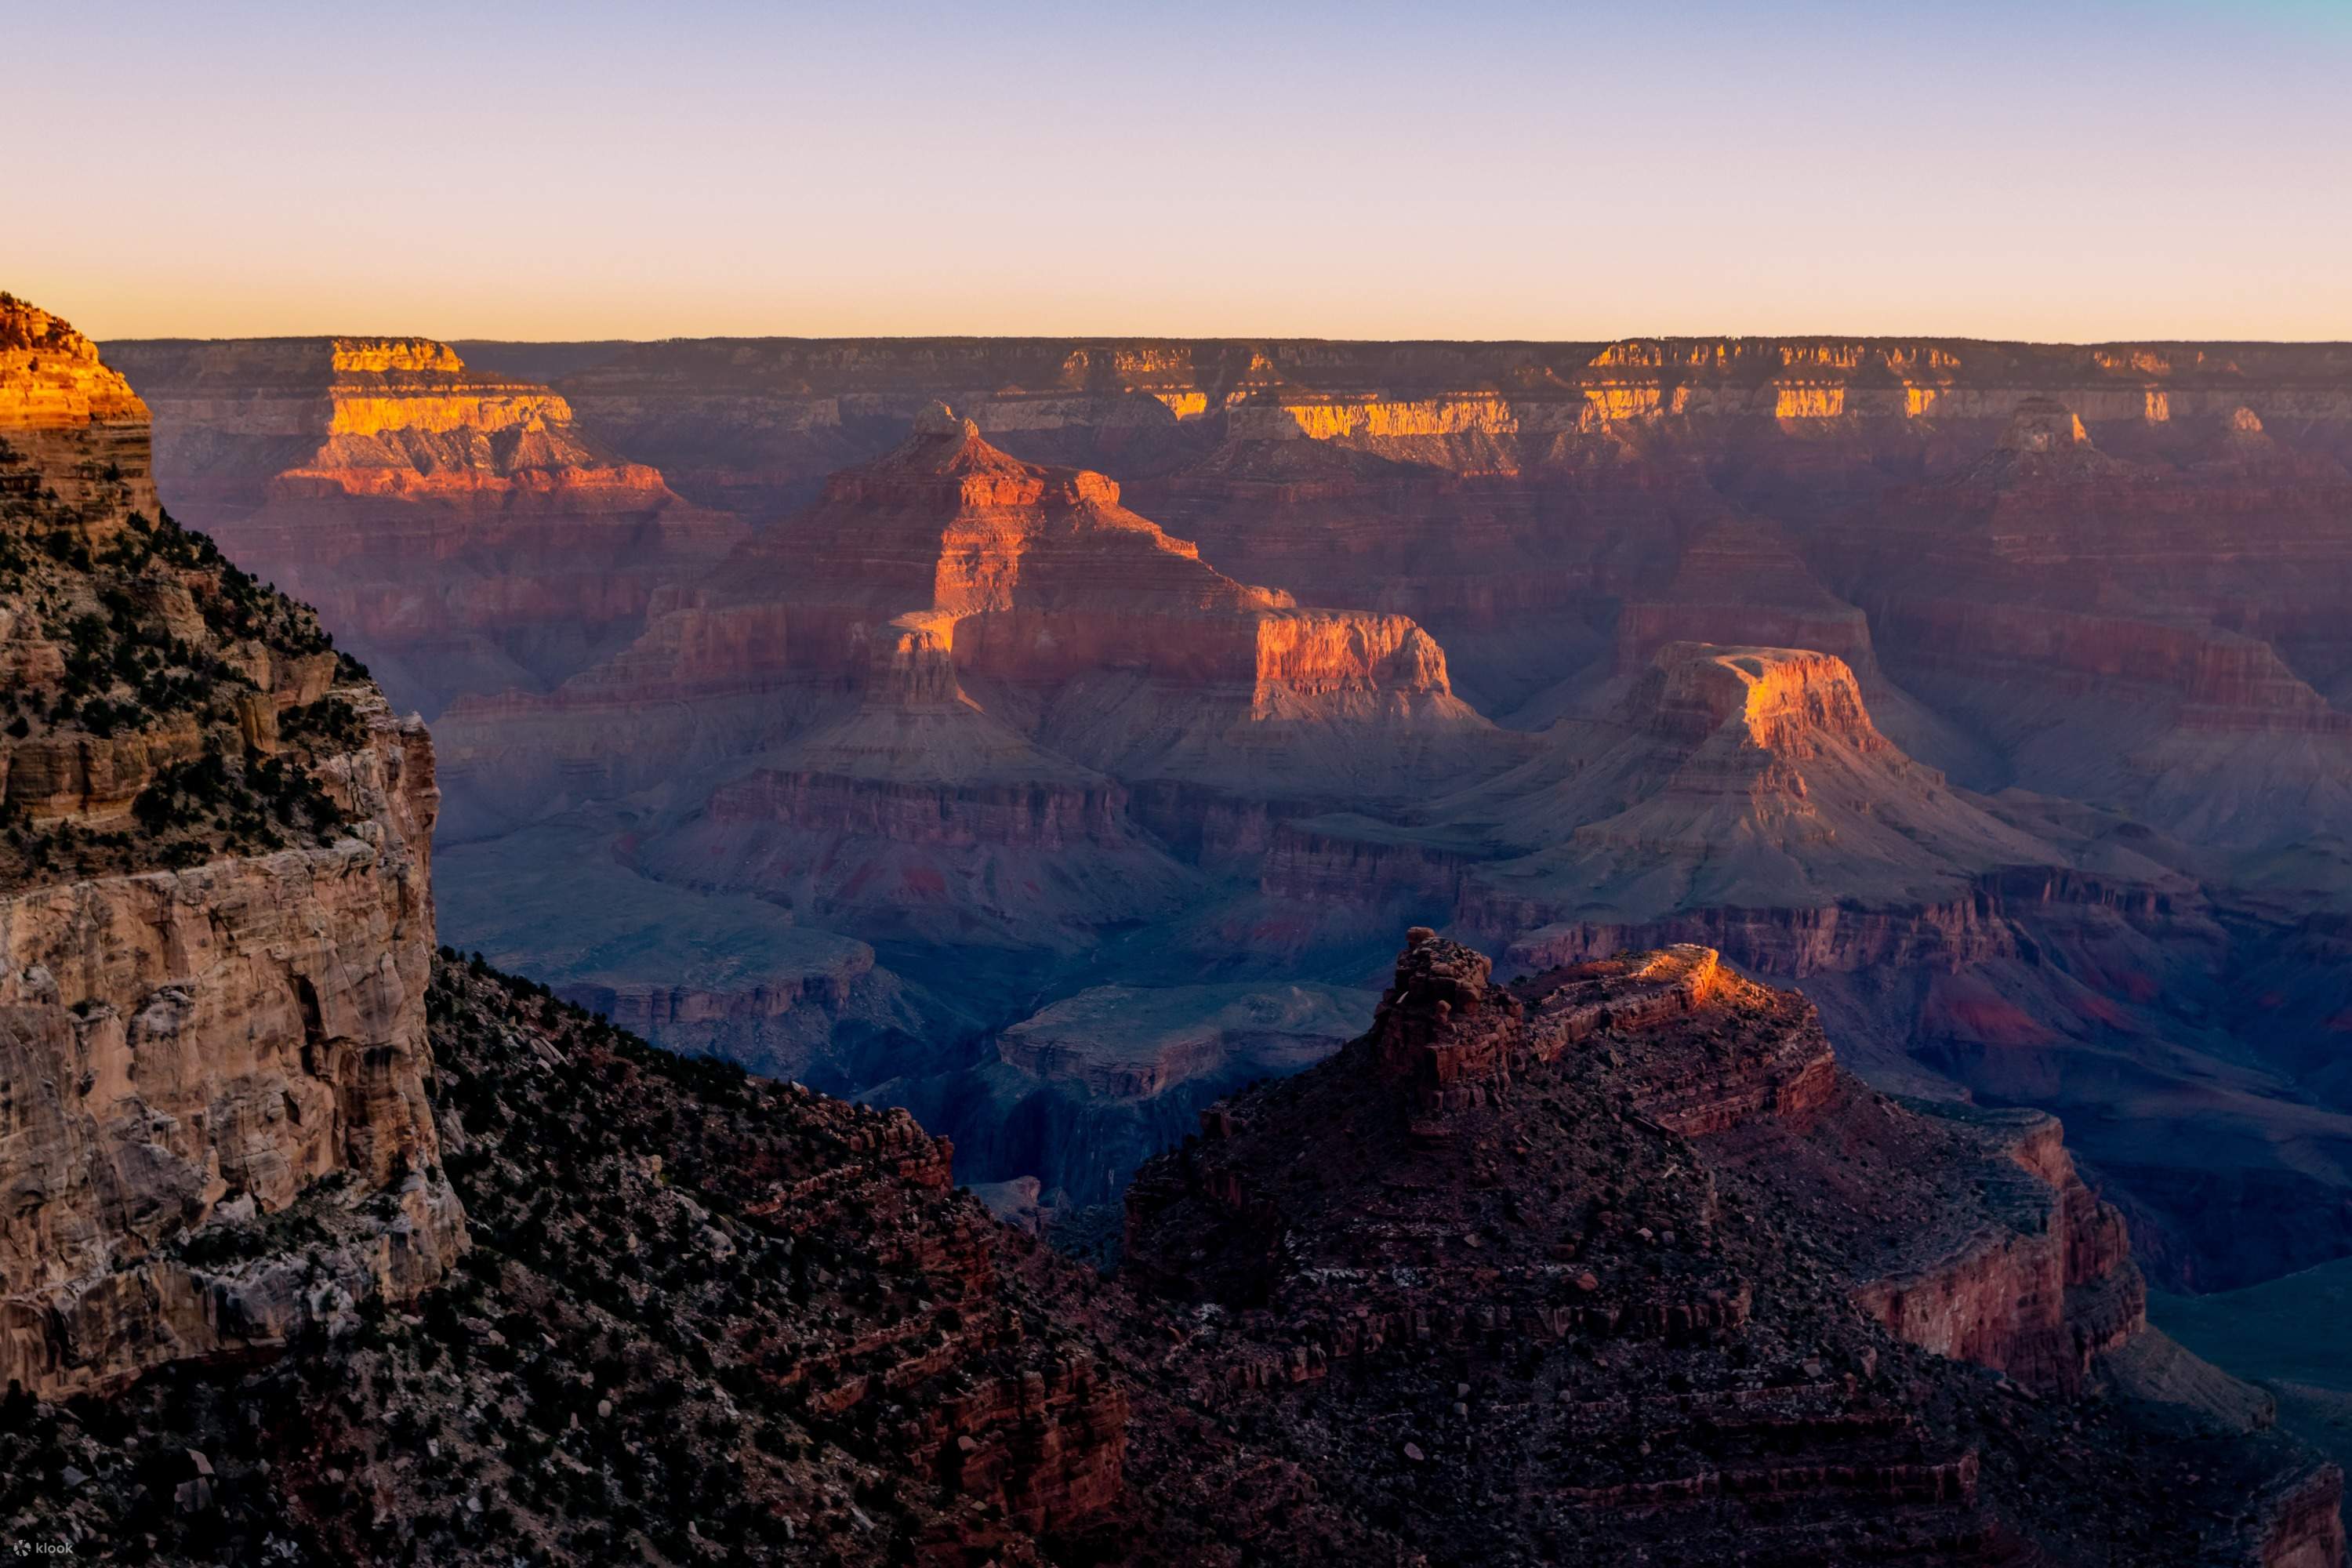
[1735,1308]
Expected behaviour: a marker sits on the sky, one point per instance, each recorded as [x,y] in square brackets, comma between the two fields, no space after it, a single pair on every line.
[2075,170]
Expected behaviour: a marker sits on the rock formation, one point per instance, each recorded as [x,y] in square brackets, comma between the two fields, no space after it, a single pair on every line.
[973,704]
[454,528]
[215,922]
[1617,1259]
[1729,779]
[1118,644]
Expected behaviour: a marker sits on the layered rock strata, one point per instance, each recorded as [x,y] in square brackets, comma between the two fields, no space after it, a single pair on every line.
[975,702]
[215,921]
[1471,1258]
[453,527]
[2113,576]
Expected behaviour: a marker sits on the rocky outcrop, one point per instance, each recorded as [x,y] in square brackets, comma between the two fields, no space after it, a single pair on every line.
[82,430]
[1570,1230]
[2038,1301]
[207,1063]
[706,974]
[215,931]
[1128,1043]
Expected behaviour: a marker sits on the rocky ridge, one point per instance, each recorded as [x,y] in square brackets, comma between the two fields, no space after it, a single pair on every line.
[709,1316]
[1617,1258]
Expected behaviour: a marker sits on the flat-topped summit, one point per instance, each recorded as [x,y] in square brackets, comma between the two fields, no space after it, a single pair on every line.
[1788,700]
[73,417]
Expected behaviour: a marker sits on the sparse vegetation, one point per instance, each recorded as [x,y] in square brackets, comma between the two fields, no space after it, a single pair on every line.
[635,1362]
[138,654]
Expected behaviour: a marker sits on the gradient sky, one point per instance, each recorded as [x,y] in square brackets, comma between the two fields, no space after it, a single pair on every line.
[2068,169]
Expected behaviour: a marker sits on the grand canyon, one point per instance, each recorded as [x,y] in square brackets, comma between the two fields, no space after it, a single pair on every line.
[1048,736]
[1168,951]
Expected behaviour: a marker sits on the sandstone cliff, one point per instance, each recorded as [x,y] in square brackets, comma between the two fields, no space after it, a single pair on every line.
[215,924]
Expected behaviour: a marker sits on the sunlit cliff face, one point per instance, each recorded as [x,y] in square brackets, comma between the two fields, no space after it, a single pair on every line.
[1784,699]
[1565,388]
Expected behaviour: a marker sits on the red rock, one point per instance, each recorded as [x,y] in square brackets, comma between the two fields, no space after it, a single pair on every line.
[1351,1224]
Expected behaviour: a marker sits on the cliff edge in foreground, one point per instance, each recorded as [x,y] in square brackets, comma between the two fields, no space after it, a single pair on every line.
[215,925]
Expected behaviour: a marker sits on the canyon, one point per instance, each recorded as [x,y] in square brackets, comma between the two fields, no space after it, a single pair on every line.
[326,1243]
[934,684]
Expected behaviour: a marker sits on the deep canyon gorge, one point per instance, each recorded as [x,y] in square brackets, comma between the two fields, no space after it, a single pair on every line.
[863,711]
[1253,951]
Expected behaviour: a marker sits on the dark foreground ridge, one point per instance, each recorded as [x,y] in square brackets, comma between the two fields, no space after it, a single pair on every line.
[1601,1265]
